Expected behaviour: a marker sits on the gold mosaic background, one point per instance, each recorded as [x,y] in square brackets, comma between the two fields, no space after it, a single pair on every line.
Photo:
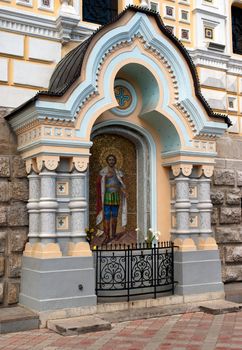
[127,153]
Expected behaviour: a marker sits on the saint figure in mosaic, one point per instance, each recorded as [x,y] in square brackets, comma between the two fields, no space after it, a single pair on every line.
[111,194]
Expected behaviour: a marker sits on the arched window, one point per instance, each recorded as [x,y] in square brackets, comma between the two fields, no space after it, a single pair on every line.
[99,11]
[237,29]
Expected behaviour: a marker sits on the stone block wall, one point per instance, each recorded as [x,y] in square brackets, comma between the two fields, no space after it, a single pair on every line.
[226,198]
[13,214]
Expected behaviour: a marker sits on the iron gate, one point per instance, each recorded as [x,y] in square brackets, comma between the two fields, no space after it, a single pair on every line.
[134,270]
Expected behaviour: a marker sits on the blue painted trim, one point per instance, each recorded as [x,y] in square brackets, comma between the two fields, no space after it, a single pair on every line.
[126,112]
[138,24]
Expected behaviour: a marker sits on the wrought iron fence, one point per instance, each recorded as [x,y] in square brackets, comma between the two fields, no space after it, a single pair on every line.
[134,270]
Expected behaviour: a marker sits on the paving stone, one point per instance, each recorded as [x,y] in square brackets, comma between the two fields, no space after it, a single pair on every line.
[79,325]
[17,319]
[219,307]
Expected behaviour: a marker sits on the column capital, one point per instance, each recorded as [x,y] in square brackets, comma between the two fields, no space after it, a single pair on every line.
[206,170]
[182,168]
[47,161]
[80,163]
[30,165]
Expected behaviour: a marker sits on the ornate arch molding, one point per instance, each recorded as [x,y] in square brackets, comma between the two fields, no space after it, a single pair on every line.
[168,50]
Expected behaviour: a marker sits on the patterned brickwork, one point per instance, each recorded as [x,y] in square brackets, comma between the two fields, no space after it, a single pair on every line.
[191,331]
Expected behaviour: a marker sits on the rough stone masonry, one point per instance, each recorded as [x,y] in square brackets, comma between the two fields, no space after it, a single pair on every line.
[13,214]
[226,198]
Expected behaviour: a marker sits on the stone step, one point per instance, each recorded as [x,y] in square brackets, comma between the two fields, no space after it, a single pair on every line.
[16,319]
[79,325]
[217,307]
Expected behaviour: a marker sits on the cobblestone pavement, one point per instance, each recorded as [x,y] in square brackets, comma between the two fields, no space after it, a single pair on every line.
[191,331]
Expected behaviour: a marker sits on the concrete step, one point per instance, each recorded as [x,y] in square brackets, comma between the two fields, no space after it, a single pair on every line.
[79,325]
[217,307]
[16,319]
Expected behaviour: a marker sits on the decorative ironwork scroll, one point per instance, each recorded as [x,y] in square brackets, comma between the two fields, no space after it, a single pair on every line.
[129,271]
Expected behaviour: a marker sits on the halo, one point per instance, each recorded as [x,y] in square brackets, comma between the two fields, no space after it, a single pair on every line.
[111,150]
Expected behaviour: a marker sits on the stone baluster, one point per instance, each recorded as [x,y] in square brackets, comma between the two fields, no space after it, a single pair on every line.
[33,207]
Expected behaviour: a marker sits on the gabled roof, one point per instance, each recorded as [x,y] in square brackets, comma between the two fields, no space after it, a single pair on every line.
[68,70]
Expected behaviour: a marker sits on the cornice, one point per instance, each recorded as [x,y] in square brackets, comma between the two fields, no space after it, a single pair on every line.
[217,60]
[28,23]
[209,13]
[23,22]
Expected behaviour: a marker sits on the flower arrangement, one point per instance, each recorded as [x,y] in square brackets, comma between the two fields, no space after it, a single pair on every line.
[151,235]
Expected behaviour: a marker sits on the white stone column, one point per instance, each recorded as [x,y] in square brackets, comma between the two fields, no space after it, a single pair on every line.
[78,206]
[33,207]
[205,206]
[48,206]
[182,206]
[206,241]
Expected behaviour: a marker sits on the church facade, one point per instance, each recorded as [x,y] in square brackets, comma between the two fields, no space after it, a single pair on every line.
[129,88]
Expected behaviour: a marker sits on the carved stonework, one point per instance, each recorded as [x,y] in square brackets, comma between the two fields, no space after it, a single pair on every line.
[30,164]
[206,170]
[80,163]
[49,162]
[185,169]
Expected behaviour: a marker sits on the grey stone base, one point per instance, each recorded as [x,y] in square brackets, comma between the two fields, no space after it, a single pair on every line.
[51,284]
[197,272]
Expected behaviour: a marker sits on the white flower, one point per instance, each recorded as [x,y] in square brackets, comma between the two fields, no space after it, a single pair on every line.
[157,234]
[137,229]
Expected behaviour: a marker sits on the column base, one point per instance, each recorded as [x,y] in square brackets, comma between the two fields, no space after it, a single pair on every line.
[186,244]
[42,251]
[197,272]
[207,243]
[79,249]
[53,284]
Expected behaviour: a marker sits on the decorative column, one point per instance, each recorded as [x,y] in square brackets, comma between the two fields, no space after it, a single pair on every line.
[206,241]
[78,206]
[47,246]
[182,206]
[32,206]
